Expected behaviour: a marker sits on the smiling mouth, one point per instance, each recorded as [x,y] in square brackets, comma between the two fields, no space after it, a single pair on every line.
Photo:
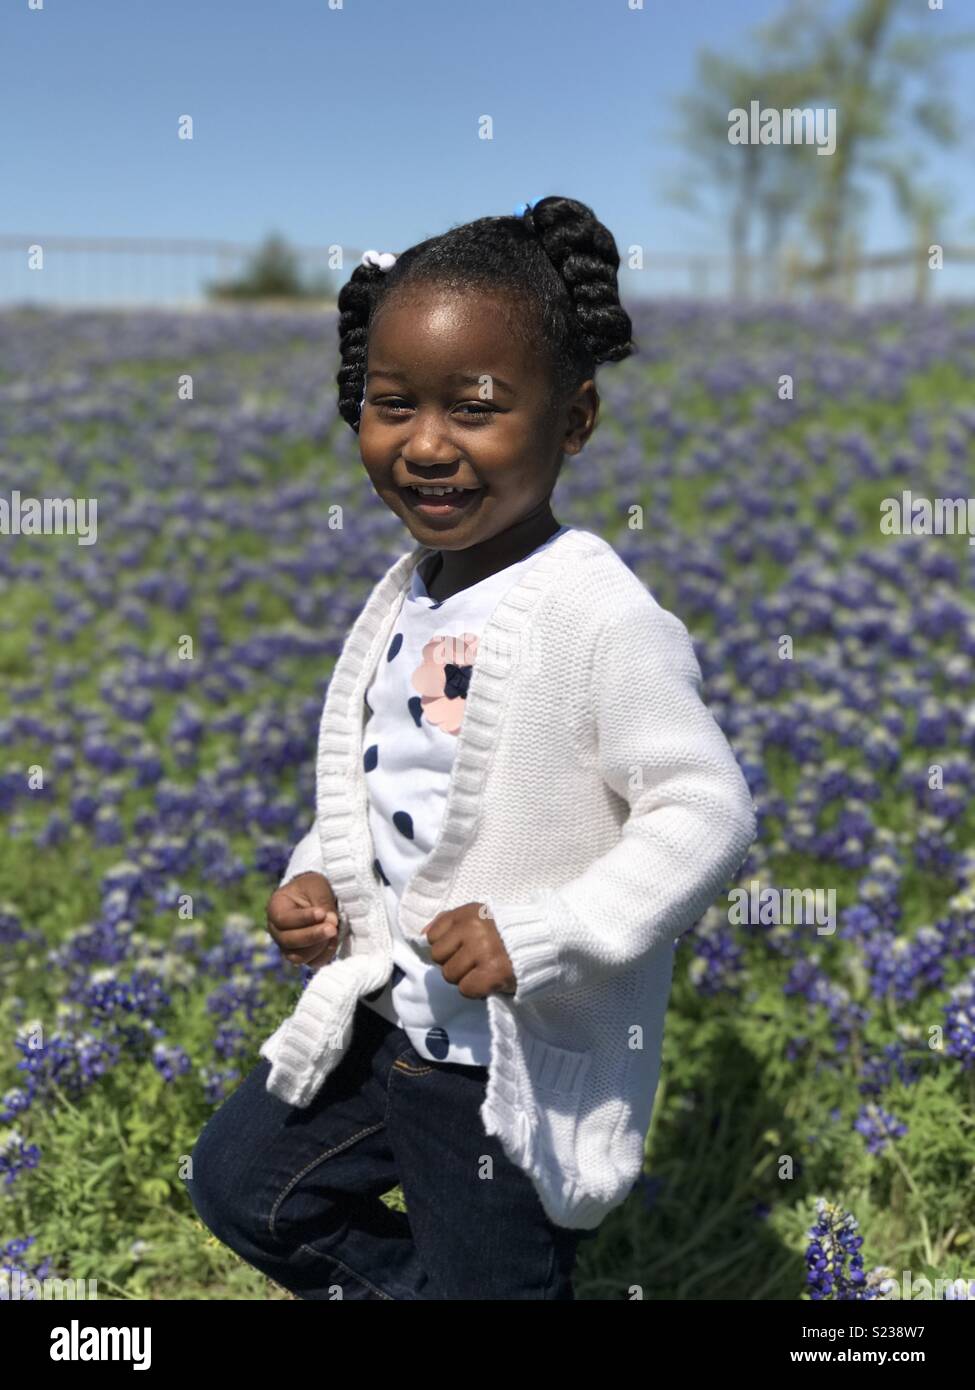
[438,489]
[439,501]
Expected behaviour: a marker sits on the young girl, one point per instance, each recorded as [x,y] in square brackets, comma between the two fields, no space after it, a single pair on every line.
[522,801]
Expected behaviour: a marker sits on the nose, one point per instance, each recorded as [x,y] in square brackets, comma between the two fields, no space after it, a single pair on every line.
[428,442]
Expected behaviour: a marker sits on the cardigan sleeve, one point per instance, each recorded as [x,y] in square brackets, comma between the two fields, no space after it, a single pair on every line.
[690,824]
[305,858]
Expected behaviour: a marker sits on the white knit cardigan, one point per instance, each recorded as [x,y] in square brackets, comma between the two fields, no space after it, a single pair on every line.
[595,806]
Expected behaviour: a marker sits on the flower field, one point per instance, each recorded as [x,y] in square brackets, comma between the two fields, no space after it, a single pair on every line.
[160,692]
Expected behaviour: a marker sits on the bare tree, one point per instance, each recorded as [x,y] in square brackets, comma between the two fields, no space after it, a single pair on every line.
[888,88]
[863,66]
[734,171]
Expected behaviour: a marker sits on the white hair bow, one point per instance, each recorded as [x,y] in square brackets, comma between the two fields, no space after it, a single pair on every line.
[382,259]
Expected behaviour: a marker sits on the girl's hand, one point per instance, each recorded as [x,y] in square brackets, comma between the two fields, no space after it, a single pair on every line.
[466,945]
[302,918]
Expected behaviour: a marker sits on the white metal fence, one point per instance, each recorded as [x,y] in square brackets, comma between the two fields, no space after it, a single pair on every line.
[131,271]
[137,271]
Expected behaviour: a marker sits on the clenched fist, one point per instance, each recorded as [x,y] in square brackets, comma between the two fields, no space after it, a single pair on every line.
[467,946]
[303,920]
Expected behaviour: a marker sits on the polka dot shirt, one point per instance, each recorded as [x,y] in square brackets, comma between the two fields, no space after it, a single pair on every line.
[414,710]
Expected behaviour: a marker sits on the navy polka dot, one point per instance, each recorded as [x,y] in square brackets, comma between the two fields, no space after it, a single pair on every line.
[404,823]
[379,870]
[415,706]
[438,1044]
[371,757]
[394,646]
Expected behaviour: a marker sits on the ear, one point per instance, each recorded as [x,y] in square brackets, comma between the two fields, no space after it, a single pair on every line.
[583,414]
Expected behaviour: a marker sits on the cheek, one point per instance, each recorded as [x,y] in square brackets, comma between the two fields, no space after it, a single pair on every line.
[376,469]
[502,477]
[516,490]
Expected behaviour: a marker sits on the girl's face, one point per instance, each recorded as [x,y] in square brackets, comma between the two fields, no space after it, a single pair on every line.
[427,423]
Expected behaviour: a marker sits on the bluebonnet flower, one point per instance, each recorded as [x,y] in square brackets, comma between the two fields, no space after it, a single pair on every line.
[12,1265]
[108,827]
[239,992]
[228,1042]
[877,1126]
[11,929]
[16,1155]
[899,1059]
[833,1259]
[216,1083]
[960,1022]
[718,961]
[170,1061]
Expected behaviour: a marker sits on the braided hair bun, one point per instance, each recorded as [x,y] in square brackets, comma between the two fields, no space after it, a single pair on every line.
[556,263]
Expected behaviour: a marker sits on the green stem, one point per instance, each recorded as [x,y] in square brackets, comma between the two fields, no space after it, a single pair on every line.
[705,1228]
[773,1278]
[60,1095]
[118,1289]
[912,1186]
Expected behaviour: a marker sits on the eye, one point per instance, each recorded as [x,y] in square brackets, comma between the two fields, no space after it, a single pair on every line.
[394,409]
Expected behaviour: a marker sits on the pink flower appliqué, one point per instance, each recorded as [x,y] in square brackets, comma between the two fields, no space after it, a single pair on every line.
[442,678]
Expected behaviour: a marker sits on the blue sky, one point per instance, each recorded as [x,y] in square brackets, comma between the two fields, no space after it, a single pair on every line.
[358,125]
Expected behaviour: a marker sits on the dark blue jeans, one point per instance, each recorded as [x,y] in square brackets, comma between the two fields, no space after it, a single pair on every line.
[296,1192]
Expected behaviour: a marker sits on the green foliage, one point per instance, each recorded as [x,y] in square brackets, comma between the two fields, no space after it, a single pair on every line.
[108,1201]
[274,272]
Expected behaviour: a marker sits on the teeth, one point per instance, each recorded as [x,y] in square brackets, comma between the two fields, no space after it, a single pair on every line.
[437,491]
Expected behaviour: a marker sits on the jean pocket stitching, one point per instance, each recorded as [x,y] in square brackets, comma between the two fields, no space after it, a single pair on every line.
[381,1293]
[370,1129]
[412,1071]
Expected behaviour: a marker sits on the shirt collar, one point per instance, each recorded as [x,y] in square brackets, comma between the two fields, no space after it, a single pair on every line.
[418,590]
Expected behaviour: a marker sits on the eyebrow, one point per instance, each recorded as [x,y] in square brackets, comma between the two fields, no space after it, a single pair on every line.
[461,378]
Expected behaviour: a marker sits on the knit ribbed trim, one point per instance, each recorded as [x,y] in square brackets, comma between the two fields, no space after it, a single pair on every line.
[525,1070]
[524,928]
[564,1199]
[299,1061]
[312,1041]
[423,895]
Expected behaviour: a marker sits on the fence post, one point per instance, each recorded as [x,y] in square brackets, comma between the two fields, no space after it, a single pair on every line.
[699,277]
[922,276]
[791,269]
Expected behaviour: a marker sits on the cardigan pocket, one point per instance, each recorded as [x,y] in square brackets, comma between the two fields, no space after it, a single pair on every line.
[612,1140]
[558,1077]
